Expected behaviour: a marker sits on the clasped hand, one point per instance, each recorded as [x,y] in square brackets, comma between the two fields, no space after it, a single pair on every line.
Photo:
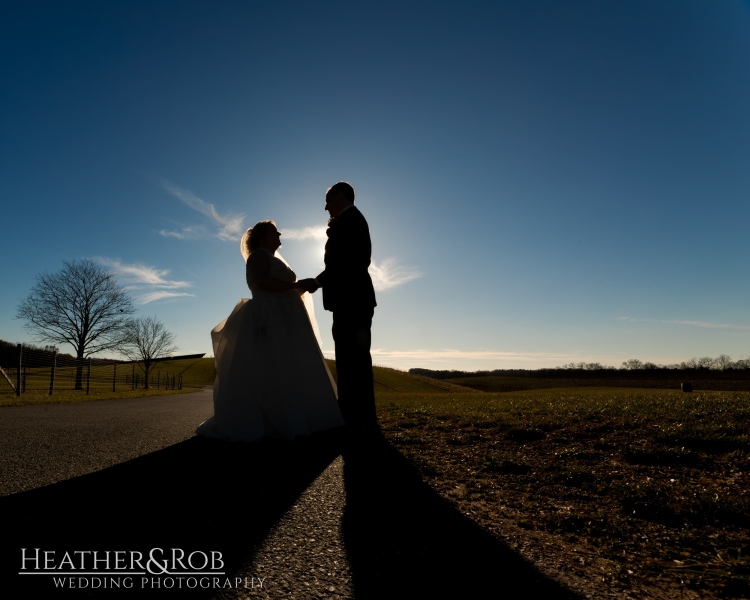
[309,285]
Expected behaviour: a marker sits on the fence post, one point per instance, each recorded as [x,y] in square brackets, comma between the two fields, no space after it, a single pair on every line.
[18,371]
[52,372]
[132,379]
[180,381]
[114,377]
[88,378]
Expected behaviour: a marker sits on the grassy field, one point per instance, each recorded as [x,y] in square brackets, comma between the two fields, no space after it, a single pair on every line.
[195,373]
[636,489]
[662,380]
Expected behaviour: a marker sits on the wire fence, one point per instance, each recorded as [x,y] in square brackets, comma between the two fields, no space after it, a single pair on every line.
[26,370]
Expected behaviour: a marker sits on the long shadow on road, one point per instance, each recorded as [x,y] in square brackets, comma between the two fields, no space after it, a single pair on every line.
[198,495]
[404,541]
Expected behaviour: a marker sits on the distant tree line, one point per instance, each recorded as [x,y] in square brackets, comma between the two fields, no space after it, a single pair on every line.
[720,363]
[633,367]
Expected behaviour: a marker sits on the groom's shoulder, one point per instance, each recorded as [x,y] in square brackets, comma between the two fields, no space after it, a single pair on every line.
[354,214]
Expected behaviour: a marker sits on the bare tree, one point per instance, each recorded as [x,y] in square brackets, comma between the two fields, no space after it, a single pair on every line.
[147,341]
[723,362]
[81,305]
[632,364]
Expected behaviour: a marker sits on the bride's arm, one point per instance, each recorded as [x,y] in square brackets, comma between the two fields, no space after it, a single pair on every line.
[259,265]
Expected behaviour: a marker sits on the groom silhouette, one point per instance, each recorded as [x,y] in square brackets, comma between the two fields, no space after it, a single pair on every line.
[349,295]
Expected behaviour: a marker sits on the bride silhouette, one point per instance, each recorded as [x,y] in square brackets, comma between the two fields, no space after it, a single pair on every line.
[271,379]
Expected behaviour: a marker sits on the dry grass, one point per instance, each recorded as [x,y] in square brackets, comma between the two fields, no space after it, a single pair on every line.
[637,490]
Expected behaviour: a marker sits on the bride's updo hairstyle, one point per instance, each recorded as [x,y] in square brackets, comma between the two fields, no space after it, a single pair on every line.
[251,240]
[260,231]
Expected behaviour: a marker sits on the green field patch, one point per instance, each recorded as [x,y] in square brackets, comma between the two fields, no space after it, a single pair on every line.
[112,380]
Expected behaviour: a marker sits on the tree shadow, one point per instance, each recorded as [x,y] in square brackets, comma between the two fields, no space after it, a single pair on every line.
[403,540]
[198,495]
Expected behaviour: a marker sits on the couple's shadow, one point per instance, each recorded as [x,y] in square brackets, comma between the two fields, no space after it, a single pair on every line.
[401,538]
[198,495]
[404,541]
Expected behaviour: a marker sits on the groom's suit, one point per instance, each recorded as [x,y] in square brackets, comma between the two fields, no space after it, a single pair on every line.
[348,293]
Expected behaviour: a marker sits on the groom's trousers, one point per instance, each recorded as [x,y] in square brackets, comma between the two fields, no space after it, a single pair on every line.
[352,338]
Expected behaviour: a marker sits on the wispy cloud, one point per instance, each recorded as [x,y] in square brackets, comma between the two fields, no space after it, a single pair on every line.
[143,274]
[186,233]
[153,296]
[148,283]
[470,354]
[470,359]
[701,324]
[389,274]
[231,227]
[317,233]
[710,325]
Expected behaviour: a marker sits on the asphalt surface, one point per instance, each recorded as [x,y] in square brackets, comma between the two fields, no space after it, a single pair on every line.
[317,518]
[42,445]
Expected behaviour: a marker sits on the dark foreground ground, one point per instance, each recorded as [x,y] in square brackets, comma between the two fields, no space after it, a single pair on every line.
[129,476]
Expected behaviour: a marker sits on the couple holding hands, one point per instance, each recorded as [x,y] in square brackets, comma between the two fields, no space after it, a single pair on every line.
[271,378]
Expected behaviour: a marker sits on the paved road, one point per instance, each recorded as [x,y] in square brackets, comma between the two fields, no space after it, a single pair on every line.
[289,520]
[41,445]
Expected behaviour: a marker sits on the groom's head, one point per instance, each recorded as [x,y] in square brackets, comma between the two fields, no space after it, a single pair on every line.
[338,197]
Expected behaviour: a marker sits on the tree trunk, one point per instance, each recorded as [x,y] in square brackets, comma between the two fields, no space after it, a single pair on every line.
[146,370]
[79,371]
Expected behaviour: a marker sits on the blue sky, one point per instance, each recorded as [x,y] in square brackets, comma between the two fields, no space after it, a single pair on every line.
[545,182]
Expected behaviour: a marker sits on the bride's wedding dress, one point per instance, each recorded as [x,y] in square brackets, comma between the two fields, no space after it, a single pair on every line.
[271,379]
